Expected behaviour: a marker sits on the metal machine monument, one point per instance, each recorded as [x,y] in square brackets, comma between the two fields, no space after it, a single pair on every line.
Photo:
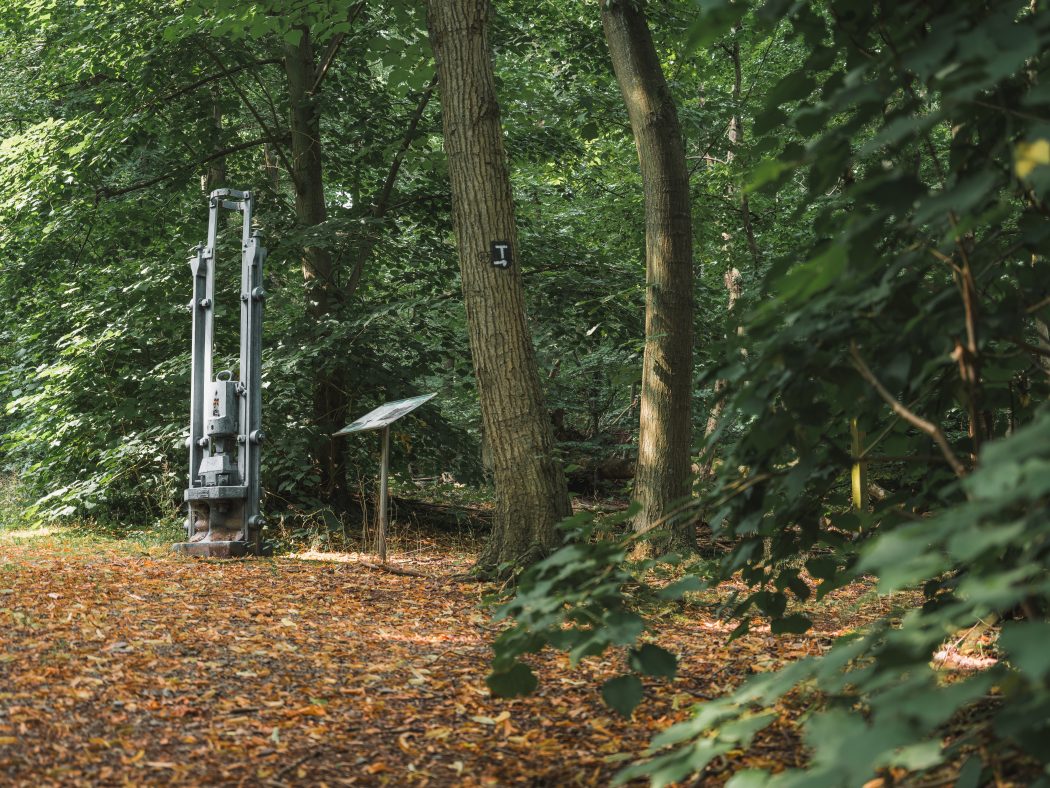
[225,410]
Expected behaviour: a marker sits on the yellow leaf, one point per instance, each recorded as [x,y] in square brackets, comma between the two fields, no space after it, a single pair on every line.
[1029,155]
[402,743]
[8,740]
[313,710]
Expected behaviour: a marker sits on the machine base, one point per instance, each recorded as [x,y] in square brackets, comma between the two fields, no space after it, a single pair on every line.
[214,549]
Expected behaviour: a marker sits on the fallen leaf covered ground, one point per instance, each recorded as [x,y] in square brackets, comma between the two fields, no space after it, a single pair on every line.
[121,665]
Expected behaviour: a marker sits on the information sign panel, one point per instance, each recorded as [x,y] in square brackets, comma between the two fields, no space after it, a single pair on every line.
[385,415]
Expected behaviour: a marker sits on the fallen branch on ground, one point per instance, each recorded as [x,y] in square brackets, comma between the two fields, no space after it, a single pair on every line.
[391,569]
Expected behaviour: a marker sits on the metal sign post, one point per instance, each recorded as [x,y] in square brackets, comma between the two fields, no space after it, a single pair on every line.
[384,484]
[380,419]
[225,413]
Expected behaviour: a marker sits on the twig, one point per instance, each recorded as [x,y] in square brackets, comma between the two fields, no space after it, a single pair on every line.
[945,259]
[105,192]
[897,458]
[1039,351]
[1037,306]
[391,569]
[382,202]
[298,762]
[271,61]
[326,61]
[909,416]
[278,149]
[332,50]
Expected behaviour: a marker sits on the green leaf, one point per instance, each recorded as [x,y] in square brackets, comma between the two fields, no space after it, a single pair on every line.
[622,627]
[518,680]
[767,172]
[809,278]
[623,693]
[970,773]
[654,661]
[1025,644]
[793,624]
[680,588]
[715,20]
[749,778]
[794,86]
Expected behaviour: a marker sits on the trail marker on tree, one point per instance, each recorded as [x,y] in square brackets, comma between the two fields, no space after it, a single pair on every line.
[380,419]
[501,256]
[225,414]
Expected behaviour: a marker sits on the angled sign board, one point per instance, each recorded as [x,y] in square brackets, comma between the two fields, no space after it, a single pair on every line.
[385,415]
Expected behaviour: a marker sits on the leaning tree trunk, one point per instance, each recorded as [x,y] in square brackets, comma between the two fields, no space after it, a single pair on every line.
[665,427]
[329,399]
[531,495]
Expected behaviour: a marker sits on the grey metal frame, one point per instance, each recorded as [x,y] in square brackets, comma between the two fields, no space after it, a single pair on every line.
[224,519]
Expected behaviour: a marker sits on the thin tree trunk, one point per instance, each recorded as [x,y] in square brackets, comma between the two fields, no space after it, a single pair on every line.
[665,428]
[732,281]
[329,400]
[273,172]
[531,495]
[736,139]
[732,278]
[215,177]
[1042,330]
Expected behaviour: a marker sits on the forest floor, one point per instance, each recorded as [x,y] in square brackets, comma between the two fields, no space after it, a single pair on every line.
[123,663]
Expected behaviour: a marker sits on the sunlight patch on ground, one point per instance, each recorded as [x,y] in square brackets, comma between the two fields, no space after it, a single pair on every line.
[342,558]
[318,555]
[411,559]
[27,533]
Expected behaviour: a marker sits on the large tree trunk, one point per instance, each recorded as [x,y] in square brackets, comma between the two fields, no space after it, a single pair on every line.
[665,430]
[329,405]
[531,496]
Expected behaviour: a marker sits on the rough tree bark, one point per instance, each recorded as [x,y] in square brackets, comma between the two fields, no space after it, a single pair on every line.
[1044,335]
[531,495]
[665,426]
[329,399]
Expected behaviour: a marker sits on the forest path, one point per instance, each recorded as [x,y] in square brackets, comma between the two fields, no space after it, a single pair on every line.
[119,665]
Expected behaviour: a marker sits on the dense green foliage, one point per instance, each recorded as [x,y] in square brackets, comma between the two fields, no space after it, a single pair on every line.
[95,339]
[896,162]
[93,425]
[912,140]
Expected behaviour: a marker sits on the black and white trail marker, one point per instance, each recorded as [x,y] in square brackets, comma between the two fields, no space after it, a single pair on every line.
[501,257]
